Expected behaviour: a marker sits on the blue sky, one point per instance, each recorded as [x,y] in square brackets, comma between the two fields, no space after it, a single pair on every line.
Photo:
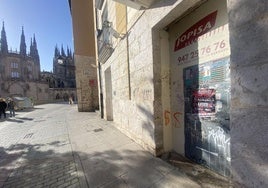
[49,20]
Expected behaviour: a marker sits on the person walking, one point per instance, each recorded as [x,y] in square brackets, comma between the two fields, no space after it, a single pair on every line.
[71,100]
[11,107]
[3,106]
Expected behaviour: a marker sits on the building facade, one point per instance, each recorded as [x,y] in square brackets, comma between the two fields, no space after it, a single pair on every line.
[85,55]
[20,70]
[62,80]
[184,76]
[19,65]
[20,73]
[64,69]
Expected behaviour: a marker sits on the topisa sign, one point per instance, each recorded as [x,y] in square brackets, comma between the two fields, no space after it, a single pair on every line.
[191,35]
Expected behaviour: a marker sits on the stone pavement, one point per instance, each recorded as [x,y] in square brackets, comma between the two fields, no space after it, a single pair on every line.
[35,150]
[78,149]
[110,159]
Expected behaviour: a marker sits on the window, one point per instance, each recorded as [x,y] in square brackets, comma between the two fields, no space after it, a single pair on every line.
[15,75]
[14,65]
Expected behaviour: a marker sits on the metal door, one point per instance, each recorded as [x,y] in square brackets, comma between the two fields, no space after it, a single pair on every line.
[207,125]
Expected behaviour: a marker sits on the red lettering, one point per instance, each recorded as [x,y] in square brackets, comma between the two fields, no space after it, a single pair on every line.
[199,28]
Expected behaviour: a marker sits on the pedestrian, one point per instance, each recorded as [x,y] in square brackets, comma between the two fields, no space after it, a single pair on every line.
[70,100]
[11,107]
[3,106]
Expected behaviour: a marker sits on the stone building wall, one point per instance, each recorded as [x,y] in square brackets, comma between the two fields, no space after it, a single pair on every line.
[85,54]
[139,75]
[248,22]
[131,113]
[37,91]
[136,108]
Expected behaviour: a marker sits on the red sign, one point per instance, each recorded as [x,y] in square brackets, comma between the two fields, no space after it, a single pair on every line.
[198,29]
[204,102]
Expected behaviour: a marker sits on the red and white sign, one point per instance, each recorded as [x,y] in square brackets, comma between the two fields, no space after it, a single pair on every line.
[205,40]
[200,28]
[204,102]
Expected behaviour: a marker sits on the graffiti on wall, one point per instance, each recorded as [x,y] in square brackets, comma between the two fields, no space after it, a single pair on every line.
[174,117]
[207,114]
[144,94]
[92,83]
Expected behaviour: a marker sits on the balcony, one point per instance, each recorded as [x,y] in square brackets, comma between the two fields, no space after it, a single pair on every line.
[105,45]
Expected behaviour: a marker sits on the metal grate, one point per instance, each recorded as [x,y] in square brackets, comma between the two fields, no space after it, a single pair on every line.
[98,130]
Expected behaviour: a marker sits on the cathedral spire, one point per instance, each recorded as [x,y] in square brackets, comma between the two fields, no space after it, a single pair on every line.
[34,42]
[33,49]
[62,51]
[22,43]
[3,40]
[56,52]
[68,52]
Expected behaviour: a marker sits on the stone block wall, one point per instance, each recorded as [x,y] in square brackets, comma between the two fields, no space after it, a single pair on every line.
[37,91]
[248,22]
[136,74]
[133,104]
[86,83]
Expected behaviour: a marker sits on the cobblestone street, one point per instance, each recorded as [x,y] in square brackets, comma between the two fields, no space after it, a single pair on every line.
[35,150]
[44,174]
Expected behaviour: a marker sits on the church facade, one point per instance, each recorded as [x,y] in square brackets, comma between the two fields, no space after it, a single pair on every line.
[20,73]
[20,70]
[62,79]
[20,65]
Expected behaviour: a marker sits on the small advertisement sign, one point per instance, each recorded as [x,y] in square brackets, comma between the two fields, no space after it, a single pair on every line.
[204,102]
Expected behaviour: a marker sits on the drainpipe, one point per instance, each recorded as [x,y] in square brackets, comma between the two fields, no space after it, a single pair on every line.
[101,94]
[128,66]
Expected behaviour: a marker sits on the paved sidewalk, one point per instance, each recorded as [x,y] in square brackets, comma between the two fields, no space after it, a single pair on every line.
[108,158]
[68,148]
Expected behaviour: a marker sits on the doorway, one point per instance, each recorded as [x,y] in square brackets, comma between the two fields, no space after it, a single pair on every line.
[200,86]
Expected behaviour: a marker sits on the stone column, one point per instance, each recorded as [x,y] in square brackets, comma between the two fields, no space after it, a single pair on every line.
[83,17]
[249,90]
[86,83]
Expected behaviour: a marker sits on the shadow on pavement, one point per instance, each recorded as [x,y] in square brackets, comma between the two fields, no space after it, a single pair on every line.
[35,165]
[16,119]
[29,109]
[24,118]
[44,165]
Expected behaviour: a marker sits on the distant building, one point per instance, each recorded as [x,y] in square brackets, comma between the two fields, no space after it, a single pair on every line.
[63,75]
[19,66]
[62,79]
[20,71]
[63,68]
